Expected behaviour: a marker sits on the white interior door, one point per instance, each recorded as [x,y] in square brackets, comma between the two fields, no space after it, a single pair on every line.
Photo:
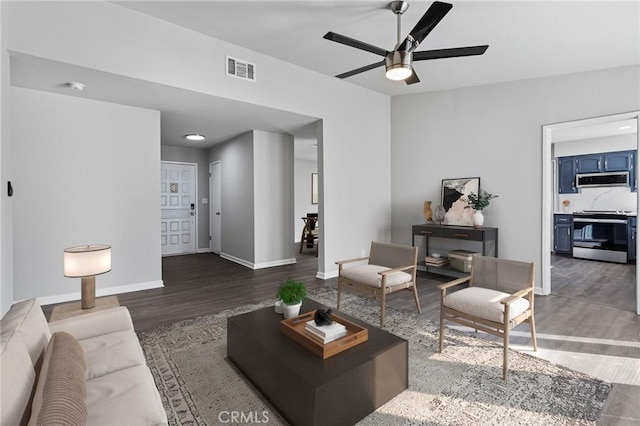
[178,208]
[215,208]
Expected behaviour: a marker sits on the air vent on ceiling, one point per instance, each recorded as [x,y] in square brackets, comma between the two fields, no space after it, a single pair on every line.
[241,69]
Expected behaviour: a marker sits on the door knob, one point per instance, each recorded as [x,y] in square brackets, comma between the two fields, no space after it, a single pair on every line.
[217,213]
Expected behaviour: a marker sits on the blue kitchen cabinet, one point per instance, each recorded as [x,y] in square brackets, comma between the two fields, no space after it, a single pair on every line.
[617,161]
[567,175]
[563,234]
[591,163]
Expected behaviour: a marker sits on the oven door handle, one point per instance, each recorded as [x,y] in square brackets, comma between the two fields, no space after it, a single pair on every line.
[621,221]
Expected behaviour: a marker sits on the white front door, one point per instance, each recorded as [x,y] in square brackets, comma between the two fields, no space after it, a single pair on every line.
[178,208]
[215,210]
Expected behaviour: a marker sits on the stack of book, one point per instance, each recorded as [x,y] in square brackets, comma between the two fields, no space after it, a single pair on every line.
[325,333]
[435,261]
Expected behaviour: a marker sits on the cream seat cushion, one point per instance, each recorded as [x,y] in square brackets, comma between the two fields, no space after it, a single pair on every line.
[484,303]
[368,274]
[113,397]
[111,352]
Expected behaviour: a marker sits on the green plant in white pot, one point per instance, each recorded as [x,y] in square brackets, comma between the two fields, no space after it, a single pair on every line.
[291,293]
[478,203]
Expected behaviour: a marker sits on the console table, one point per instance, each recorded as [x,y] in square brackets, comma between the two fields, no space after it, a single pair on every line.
[465,233]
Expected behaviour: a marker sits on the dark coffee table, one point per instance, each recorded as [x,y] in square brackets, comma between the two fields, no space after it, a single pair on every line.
[304,388]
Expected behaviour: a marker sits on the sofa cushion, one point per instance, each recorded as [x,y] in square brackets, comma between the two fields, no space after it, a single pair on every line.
[484,303]
[113,397]
[368,274]
[111,352]
[27,319]
[60,396]
[17,377]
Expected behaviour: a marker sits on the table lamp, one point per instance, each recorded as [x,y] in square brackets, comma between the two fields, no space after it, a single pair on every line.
[86,262]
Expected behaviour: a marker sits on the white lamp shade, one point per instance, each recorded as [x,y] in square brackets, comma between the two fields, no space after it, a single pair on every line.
[86,261]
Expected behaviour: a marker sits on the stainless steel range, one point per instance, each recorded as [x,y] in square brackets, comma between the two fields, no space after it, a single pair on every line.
[600,235]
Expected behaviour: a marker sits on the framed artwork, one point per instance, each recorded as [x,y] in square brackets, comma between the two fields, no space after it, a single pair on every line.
[314,188]
[454,195]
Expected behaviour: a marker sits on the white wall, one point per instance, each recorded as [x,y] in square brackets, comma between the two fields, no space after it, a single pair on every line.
[273,198]
[201,158]
[88,174]
[302,191]
[237,213]
[494,132]
[355,120]
[6,205]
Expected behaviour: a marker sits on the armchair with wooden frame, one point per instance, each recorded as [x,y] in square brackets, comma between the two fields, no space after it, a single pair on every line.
[390,267]
[498,298]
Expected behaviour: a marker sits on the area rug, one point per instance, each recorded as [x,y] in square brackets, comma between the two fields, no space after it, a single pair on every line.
[461,386]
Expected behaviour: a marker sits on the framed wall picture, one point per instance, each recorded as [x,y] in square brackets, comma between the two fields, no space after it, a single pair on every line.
[454,196]
[314,188]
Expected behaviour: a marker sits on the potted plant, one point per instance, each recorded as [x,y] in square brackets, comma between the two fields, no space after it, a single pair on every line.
[291,293]
[479,202]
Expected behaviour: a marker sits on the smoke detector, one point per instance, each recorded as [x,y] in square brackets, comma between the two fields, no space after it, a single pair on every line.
[75,85]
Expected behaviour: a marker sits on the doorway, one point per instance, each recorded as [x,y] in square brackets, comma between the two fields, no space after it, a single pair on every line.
[178,218]
[556,138]
[215,210]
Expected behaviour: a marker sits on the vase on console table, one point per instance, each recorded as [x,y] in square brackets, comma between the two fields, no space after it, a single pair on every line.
[478,219]
[426,211]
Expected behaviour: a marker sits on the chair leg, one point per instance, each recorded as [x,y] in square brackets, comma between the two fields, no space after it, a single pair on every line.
[415,296]
[339,290]
[532,326]
[382,305]
[302,239]
[505,359]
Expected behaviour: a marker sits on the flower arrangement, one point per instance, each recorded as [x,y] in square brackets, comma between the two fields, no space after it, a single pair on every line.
[480,201]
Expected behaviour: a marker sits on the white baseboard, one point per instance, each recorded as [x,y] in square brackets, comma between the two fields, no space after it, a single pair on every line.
[108,291]
[327,275]
[274,263]
[203,250]
[262,265]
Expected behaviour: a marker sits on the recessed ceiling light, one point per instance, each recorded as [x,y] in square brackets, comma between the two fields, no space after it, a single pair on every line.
[195,137]
[624,127]
[75,85]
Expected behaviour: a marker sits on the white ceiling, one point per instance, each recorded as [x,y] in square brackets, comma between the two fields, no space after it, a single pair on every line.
[527,39]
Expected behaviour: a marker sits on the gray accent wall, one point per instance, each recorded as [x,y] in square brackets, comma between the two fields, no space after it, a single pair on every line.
[236,158]
[6,205]
[89,173]
[273,195]
[201,158]
[495,132]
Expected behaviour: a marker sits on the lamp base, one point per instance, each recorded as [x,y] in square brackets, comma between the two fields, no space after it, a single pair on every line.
[88,292]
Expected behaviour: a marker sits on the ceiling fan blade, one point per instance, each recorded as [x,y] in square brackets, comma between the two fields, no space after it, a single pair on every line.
[413,78]
[449,53]
[338,38]
[359,70]
[425,25]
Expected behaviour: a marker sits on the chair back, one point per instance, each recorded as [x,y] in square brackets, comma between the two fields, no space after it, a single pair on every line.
[392,255]
[501,274]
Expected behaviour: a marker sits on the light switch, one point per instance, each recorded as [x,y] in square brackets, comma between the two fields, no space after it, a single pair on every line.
[205,201]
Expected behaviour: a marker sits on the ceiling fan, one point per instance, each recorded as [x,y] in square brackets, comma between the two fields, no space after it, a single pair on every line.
[399,61]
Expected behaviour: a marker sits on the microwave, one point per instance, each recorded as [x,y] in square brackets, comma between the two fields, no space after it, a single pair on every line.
[595,180]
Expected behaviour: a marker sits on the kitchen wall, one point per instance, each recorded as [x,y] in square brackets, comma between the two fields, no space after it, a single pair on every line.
[495,132]
[613,198]
[303,171]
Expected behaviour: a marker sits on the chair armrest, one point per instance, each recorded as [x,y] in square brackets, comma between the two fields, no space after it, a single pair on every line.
[94,324]
[516,295]
[454,283]
[358,259]
[398,269]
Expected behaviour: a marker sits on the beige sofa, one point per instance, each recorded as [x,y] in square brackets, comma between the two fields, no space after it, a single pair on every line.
[87,369]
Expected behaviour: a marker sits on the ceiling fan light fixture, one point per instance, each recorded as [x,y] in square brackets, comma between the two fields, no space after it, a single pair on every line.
[398,65]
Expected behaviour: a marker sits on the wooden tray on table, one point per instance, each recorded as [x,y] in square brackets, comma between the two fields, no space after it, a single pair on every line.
[294,328]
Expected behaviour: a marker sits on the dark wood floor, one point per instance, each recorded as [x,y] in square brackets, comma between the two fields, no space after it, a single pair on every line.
[575,328]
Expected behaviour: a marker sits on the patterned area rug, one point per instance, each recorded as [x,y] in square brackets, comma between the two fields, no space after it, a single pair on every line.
[461,386]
